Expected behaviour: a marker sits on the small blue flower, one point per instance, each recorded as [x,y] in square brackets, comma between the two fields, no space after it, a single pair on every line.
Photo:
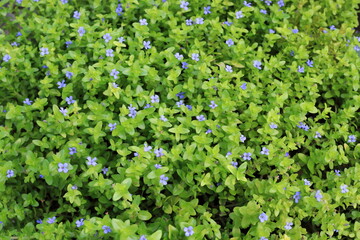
[201,118]
[39,221]
[288,225]
[318,195]
[51,220]
[79,222]
[301,69]
[234,164]
[257,64]
[307,182]
[112,126]
[69,100]
[263,238]
[337,172]
[91,161]
[77,15]
[132,110]
[317,135]
[109,53]
[184,65]
[273,125]
[44,51]
[143,237]
[119,9]
[199,20]
[64,1]
[263,217]
[159,152]
[228,154]
[184,5]
[295,30]
[81,31]
[147,106]
[228,23]
[189,22]
[247,4]
[68,43]
[188,107]
[163,179]
[61,84]
[10,173]
[229,42]
[265,151]
[207,10]
[181,95]
[332,27]
[246,156]
[147,44]
[263,11]
[310,63]
[143,22]
[271,31]
[242,138]
[14,44]
[27,101]
[344,188]
[147,148]
[228,68]
[188,231]
[155,99]
[63,167]
[243,86]
[105,170]
[195,56]
[208,131]
[69,74]
[18,33]
[163,118]
[267,2]
[297,197]
[114,73]
[178,56]
[352,138]
[121,39]
[106,229]
[212,105]
[157,166]
[239,14]
[74,187]
[107,37]
[72,150]
[303,126]
[281,3]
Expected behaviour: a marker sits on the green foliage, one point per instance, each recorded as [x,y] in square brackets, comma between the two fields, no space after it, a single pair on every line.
[131,170]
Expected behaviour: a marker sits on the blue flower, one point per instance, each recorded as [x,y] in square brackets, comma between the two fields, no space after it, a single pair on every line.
[10,173]
[163,179]
[265,151]
[163,118]
[212,104]
[303,126]
[18,34]
[317,135]
[180,95]
[271,31]
[189,22]
[301,69]
[247,4]
[51,220]
[112,126]
[159,152]
[91,161]
[208,131]
[307,182]
[184,65]
[6,58]
[69,74]
[109,52]
[74,187]
[143,237]
[155,99]
[267,2]
[263,238]
[121,39]
[107,37]
[79,222]
[132,110]
[263,217]
[64,1]
[297,197]
[246,156]
[199,20]
[243,86]
[228,68]
[295,30]
[157,166]
[273,125]
[61,84]
[188,231]
[119,9]
[184,5]
[195,56]
[228,23]
[234,164]
[68,43]
[147,44]
[228,154]
[310,63]
[77,15]
[242,138]
[63,167]
[207,10]
[147,106]
[178,56]
[344,188]
[105,170]
[257,64]
[81,31]
[229,42]
[147,148]
[332,27]
[318,195]
[44,51]
[188,107]
[114,73]
[106,229]
[143,22]
[239,14]
[352,138]
[201,118]
[288,225]
[63,111]
[337,172]
[263,11]
[27,101]
[281,3]
[14,44]
[69,100]
[39,221]
[72,150]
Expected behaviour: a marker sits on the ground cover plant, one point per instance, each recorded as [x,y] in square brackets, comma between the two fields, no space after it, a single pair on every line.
[166,119]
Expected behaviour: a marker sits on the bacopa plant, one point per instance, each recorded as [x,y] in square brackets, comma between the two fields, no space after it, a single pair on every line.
[171,119]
